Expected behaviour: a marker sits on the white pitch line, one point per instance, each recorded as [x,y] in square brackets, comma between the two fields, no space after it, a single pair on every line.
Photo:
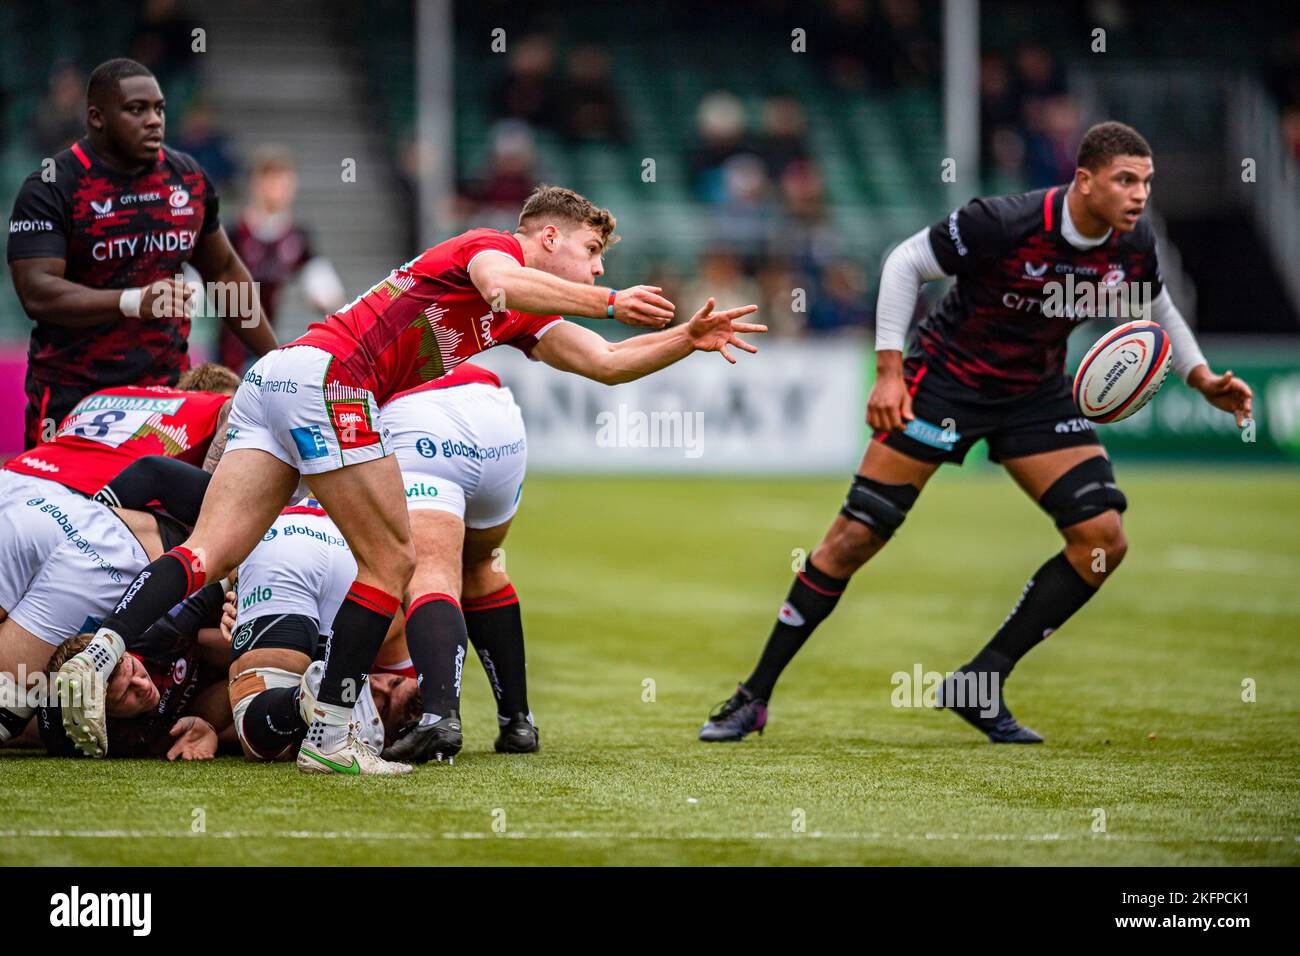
[362,835]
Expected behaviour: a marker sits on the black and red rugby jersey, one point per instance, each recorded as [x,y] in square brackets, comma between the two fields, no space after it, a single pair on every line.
[990,333]
[114,231]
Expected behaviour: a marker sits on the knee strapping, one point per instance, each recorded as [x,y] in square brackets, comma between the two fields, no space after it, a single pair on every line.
[879,506]
[1083,492]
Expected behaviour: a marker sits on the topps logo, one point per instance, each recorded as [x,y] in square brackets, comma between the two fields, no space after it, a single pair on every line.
[75,909]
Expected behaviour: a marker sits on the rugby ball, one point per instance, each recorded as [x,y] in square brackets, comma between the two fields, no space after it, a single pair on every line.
[1122,372]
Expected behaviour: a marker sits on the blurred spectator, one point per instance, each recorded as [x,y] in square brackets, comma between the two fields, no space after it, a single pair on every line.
[529,91]
[842,300]
[999,106]
[202,138]
[784,132]
[807,237]
[511,172]
[721,277]
[913,52]
[720,125]
[1037,72]
[163,41]
[779,287]
[60,118]
[276,248]
[591,109]
[846,46]
[1291,131]
[747,214]
[1051,148]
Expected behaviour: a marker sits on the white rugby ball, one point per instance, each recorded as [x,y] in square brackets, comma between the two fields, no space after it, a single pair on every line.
[1122,372]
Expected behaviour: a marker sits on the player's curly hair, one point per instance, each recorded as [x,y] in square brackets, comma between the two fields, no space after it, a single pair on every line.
[209,377]
[1104,141]
[556,202]
[68,650]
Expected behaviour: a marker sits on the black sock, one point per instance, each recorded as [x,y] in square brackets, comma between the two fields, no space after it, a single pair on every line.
[812,597]
[1050,598]
[437,640]
[273,722]
[157,589]
[359,629]
[496,628]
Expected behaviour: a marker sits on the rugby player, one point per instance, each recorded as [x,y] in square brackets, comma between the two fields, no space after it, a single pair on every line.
[96,251]
[989,362]
[310,410]
[168,696]
[63,557]
[460,443]
[115,427]
[63,560]
[288,592]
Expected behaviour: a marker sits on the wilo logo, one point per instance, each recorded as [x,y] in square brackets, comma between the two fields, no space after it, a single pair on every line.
[103,909]
[633,429]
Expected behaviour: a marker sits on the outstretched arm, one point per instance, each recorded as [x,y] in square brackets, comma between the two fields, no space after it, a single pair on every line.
[1225,392]
[504,283]
[572,348]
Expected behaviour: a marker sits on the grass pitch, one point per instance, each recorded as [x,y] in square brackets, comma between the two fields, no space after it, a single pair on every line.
[676,582]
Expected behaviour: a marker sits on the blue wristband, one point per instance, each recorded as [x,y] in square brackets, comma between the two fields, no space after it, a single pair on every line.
[609,307]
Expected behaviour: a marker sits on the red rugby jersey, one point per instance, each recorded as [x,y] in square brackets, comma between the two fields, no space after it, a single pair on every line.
[425,318]
[111,428]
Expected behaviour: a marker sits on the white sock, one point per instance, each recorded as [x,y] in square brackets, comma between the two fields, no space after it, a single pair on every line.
[329,726]
[104,651]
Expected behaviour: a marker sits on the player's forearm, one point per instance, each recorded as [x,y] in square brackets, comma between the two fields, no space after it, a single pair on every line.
[213,705]
[643,354]
[911,264]
[1187,353]
[531,290]
[58,301]
[889,364]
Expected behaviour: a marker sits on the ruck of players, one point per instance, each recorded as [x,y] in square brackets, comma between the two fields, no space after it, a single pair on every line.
[277,563]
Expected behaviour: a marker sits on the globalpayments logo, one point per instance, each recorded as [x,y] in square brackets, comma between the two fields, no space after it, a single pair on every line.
[76,909]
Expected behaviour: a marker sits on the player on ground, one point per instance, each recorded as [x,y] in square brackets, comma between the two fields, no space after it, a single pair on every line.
[461,446]
[311,410]
[988,362]
[114,427]
[168,696]
[288,593]
[96,242]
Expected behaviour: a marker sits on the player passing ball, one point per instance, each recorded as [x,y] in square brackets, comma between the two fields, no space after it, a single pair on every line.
[989,362]
[311,410]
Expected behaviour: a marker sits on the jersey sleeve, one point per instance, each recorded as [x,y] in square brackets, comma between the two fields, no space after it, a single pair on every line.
[211,206]
[488,242]
[968,238]
[530,331]
[38,226]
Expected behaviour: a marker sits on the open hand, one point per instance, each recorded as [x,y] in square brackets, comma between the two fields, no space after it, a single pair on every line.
[713,331]
[196,740]
[1230,394]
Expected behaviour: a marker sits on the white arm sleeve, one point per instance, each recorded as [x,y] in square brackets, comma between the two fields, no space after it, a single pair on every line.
[910,264]
[321,284]
[1187,354]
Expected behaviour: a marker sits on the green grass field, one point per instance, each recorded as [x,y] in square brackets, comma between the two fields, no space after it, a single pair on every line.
[677,581]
